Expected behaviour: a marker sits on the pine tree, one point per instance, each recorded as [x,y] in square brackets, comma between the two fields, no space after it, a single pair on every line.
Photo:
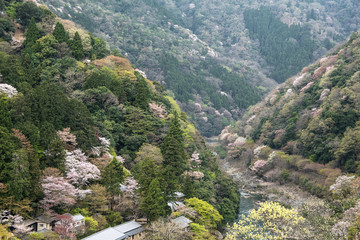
[154,204]
[60,34]
[34,164]
[112,177]
[5,119]
[174,163]
[188,187]
[173,147]
[32,34]
[142,92]
[144,172]
[77,47]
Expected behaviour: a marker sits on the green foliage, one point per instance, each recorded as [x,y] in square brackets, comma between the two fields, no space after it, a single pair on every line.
[144,172]
[91,224]
[113,176]
[173,152]
[6,28]
[5,119]
[270,221]
[354,230]
[99,49]
[285,174]
[208,215]
[200,232]
[76,47]
[60,34]
[27,11]
[154,204]
[113,218]
[286,49]
[142,92]
[348,152]
[32,34]
[36,236]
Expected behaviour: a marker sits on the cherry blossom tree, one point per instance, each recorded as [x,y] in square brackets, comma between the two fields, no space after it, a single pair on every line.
[22,230]
[78,170]
[64,226]
[131,186]
[57,191]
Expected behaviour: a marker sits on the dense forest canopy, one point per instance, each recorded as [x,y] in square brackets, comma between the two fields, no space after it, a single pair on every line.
[188,34]
[83,132]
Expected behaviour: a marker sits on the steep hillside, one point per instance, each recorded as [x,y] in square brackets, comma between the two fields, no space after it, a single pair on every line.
[94,136]
[250,39]
[306,132]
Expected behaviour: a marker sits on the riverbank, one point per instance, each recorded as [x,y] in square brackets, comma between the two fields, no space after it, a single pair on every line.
[258,189]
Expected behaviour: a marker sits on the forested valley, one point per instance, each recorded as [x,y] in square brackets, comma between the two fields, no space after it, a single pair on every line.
[84,135]
[104,105]
[234,35]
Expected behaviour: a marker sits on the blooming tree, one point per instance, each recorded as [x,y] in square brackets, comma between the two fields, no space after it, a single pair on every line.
[342,184]
[258,165]
[269,221]
[22,230]
[341,228]
[131,186]
[57,191]
[64,226]
[78,170]
[195,158]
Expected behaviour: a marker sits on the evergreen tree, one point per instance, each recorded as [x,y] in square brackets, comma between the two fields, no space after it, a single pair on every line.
[5,119]
[173,147]
[77,47]
[142,92]
[34,164]
[112,177]
[144,172]
[154,204]
[188,188]
[60,34]
[32,34]
[173,152]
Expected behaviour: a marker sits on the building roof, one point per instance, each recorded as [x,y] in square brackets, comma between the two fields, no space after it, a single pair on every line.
[175,205]
[182,221]
[24,223]
[107,234]
[129,228]
[45,218]
[118,232]
[179,195]
[78,217]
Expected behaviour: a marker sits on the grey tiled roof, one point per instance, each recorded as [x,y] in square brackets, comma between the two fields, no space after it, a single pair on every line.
[182,221]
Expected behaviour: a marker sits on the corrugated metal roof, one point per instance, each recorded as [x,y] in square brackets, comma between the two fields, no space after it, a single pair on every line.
[127,227]
[107,234]
[118,232]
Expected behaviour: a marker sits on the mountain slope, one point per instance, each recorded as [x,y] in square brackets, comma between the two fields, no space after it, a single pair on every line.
[91,136]
[313,112]
[304,136]
[192,32]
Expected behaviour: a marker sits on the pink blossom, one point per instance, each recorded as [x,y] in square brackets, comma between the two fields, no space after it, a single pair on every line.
[64,226]
[78,170]
[258,165]
[131,186]
[57,191]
